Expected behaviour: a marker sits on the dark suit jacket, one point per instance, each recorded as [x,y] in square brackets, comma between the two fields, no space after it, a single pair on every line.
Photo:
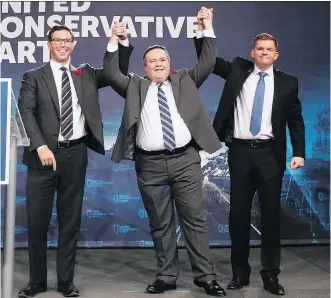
[39,106]
[286,108]
[184,85]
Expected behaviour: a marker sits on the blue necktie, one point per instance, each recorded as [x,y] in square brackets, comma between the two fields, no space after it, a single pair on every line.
[256,118]
[167,129]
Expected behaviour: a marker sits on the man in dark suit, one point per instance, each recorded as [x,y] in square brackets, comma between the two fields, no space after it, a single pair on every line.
[163,128]
[257,103]
[61,114]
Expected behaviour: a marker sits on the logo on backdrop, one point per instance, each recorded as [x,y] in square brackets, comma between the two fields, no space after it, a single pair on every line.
[120,199]
[95,213]
[97,183]
[118,229]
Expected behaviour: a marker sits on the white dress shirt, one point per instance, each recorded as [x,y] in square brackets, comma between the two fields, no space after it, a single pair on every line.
[78,117]
[244,106]
[150,136]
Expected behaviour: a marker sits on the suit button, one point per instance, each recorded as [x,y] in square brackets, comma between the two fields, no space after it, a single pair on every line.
[135,117]
[55,135]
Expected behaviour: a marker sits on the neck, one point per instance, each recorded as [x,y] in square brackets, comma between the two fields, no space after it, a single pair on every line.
[158,81]
[263,67]
[63,63]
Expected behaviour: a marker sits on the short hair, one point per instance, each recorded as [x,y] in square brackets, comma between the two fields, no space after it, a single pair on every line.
[153,47]
[265,36]
[58,28]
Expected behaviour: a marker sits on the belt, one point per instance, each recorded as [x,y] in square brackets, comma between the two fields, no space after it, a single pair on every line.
[259,143]
[69,143]
[166,152]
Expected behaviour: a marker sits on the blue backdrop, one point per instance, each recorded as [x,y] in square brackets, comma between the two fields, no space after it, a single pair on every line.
[113,213]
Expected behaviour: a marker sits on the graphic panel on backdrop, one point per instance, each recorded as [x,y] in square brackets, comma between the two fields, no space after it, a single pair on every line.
[113,212]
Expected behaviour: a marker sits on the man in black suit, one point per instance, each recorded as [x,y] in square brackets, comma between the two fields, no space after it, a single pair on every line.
[61,113]
[164,126]
[257,103]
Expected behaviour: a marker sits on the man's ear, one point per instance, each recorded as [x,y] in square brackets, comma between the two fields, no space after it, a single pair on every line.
[277,55]
[252,53]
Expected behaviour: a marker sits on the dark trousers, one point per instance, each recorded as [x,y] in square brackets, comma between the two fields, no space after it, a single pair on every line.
[68,181]
[254,169]
[165,181]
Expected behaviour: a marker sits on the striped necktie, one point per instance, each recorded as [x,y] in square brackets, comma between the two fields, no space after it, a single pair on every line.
[66,106]
[167,129]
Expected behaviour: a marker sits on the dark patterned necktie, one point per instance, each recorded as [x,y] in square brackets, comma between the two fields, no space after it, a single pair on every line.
[66,106]
[167,129]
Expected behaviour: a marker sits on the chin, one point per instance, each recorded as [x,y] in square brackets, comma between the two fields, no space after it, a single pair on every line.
[63,60]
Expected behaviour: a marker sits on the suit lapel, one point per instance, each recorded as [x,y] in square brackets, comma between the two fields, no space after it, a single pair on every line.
[77,79]
[241,80]
[50,82]
[145,83]
[277,88]
[174,79]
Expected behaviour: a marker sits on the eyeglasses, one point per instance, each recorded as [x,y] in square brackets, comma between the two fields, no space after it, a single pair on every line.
[59,41]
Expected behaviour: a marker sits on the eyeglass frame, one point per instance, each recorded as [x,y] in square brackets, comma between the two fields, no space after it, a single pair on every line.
[59,41]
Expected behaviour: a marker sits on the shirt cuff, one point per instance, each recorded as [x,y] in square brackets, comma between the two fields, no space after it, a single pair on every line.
[125,42]
[200,34]
[209,33]
[112,47]
[41,147]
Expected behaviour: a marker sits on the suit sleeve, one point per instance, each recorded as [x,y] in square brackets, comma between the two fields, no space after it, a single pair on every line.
[123,60]
[221,68]
[203,68]
[113,75]
[296,125]
[27,108]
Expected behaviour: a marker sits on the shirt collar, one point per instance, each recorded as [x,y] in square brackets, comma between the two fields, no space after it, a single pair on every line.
[56,66]
[166,83]
[269,71]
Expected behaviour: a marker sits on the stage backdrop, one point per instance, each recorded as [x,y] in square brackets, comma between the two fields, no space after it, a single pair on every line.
[113,213]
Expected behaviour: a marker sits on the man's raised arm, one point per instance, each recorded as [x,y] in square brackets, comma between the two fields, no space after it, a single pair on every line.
[203,68]
[222,67]
[112,74]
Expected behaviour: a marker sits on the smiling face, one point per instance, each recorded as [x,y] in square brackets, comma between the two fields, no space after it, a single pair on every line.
[264,53]
[157,65]
[60,46]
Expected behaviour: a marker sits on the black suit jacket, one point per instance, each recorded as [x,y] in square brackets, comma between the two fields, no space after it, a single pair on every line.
[286,108]
[39,106]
